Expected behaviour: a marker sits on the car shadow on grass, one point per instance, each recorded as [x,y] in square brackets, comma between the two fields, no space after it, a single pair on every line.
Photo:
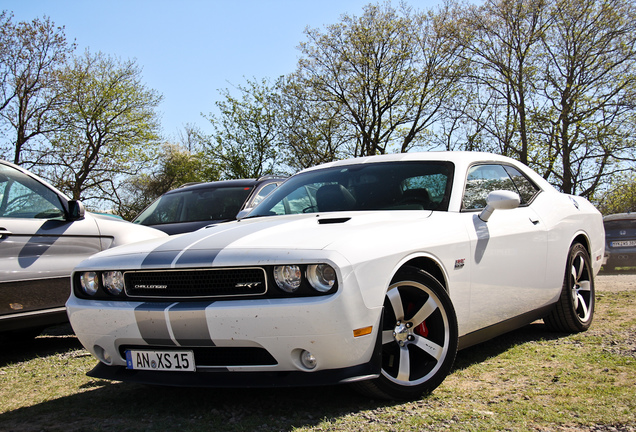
[53,340]
[104,405]
[537,331]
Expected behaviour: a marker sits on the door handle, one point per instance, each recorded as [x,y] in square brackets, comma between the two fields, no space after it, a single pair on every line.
[4,232]
[534,222]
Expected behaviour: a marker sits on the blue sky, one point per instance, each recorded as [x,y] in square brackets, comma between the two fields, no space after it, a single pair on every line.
[190,49]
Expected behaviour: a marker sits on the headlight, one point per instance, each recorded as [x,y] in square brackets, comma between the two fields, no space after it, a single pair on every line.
[288,277]
[321,277]
[113,282]
[89,282]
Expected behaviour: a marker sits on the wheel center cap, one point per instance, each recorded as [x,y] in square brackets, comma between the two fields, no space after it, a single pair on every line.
[401,333]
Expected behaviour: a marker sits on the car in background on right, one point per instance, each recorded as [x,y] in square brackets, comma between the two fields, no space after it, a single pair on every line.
[196,205]
[620,241]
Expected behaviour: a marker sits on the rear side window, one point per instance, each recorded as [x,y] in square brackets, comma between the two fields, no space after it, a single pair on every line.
[23,197]
[624,227]
[483,179]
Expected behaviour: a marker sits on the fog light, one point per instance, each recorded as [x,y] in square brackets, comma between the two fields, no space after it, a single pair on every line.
[308,360]
[89,283]
[102,355]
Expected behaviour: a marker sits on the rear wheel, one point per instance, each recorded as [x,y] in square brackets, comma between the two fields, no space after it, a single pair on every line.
[419,337]
[575,308]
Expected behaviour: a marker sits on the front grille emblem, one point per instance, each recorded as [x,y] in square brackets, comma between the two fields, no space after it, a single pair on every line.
[151,286]
[249,285]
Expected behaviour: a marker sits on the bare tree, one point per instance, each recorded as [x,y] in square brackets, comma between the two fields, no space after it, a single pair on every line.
[590,88]
[385,73]
[501,40]
[32,53]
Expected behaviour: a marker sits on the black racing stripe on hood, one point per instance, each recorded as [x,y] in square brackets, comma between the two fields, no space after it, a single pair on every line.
[202,247]
[152,324]
[165,254]
[159,259]
[193,257]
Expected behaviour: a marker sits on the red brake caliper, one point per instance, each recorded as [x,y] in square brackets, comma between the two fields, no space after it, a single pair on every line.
[421,329]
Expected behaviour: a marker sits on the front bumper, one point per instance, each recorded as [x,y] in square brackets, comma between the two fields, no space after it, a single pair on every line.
[224,379]
[281,328]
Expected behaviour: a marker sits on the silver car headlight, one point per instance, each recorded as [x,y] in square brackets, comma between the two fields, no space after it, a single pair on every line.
[89,282]
[322,277]
[113,282]
[288,277]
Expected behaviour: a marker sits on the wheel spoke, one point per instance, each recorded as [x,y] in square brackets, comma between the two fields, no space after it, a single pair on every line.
[396,303]
[575,299]
[573,274]
[577,271]
[404,371]
[425,311]
[585,286]
[581,302]
[434,350]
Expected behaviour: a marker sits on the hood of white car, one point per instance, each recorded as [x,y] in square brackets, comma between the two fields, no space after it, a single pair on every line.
[294,232]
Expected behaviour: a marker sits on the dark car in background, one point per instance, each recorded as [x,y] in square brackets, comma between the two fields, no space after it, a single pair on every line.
[620,241]
[194,206]
[43,235]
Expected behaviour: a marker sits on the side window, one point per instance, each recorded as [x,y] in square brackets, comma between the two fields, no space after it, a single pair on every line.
[483,179]
[261,194]
[299,201]
[23,197]
[526,189]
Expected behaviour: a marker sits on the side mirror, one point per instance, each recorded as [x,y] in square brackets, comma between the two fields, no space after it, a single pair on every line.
[499,200]
[243,213]
[76,210]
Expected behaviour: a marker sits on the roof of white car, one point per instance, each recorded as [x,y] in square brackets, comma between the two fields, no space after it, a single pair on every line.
[458,157]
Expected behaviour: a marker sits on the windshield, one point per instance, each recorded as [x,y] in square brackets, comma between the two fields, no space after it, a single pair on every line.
[624,224]
[377,186]
[192,205]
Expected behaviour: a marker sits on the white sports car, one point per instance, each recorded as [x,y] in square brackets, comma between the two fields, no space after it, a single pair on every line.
[371,271]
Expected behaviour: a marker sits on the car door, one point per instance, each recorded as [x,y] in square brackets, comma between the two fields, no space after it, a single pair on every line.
[38,245]
[508,252]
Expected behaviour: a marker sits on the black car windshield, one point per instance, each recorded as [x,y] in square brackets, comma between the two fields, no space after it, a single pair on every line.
[621,224]
[199,204]
[412,185]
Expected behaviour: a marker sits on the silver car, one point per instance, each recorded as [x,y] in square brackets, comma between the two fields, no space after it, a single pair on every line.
[43,235]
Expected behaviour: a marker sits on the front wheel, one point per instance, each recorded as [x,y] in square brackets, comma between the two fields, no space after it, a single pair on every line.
[419,337]
[574,310]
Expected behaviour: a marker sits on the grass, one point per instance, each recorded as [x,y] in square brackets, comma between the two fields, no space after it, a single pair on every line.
[527,380]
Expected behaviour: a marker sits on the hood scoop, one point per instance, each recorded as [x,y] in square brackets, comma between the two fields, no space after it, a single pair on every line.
[325,221]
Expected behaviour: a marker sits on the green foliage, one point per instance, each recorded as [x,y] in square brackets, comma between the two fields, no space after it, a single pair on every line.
[246,133]
[107,127]
[175,166]
[621,196]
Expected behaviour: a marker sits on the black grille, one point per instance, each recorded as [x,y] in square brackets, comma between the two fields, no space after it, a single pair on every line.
[219,356]
[196,283]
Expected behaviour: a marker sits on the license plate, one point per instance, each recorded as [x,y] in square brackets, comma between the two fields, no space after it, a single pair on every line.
[624,243]
[180,361]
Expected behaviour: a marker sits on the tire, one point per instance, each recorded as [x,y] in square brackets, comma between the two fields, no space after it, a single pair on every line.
[419,338]
[574,310]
